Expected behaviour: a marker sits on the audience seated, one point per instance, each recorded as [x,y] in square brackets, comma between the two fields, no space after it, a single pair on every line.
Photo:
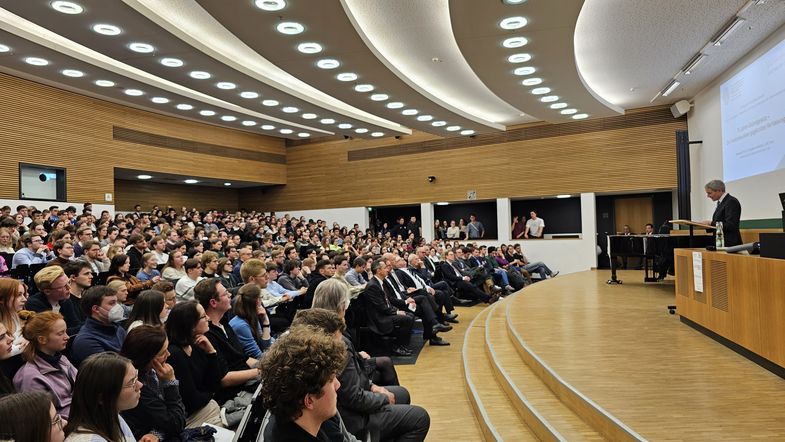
[121,291]
[149,269]
[46,367]
[228,279]
[33,252]
[250,322]
[54,295]
[106,385]
[101,331]
[6,344]
[30,417]
[174,269]
[120,270]
[383,317]
[185,285]
[160,411]
[149,309]
[12,299]
[461,283]
[80,278]
[324,269]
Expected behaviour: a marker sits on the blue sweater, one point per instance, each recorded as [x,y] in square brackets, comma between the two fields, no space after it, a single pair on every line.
[251,347]
[95,337]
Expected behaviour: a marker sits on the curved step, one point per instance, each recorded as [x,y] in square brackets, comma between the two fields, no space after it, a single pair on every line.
[498,419]
[548,417]
[592,413]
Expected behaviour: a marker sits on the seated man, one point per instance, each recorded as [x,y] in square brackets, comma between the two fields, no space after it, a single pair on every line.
[412,276]
[185,285]
[93,256]
[356,275]
[281,309]
[341,269]
[300,400]
[461,283]
[533,267]
[33,252]
[54,295]
[64,251]
[324,269]
[101,331]
[383,317]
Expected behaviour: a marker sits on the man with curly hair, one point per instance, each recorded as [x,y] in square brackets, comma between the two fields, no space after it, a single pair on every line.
[299,384]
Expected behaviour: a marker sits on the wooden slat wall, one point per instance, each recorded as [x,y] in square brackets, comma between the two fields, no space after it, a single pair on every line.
[44,125]
[129,193]
[320,175]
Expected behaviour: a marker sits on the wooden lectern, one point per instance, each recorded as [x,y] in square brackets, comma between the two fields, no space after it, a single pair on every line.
[692,225]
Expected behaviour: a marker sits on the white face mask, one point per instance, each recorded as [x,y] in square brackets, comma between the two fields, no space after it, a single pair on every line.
[115,314]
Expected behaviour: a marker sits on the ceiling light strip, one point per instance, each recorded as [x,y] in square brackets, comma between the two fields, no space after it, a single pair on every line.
[56,42]
[189,22]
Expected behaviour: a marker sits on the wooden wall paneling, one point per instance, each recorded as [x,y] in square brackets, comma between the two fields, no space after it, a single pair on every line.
[772,318]
[321,175]
[716,285]
[45,125]
[635,212]
[147,194]
[745,302]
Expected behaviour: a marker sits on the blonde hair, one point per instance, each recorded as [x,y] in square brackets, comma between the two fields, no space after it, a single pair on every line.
[112,251]
[115,284]
[46,276]
[252,267]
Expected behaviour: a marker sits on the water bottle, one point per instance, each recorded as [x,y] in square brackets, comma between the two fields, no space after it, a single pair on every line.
[719,237]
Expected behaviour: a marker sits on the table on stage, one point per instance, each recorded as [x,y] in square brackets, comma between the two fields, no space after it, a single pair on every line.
[742,300]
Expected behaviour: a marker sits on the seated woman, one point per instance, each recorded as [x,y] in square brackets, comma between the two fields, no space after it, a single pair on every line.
[118,271]
[13,295]
[160,410]
[6,343]
[107,384]
[30,417]
[149,309]
[149,270]
[47,368]
[195,361]
[250,322]
[174,269]
[228,279]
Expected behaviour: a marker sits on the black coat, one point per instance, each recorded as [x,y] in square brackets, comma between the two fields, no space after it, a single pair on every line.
[378,308]
[728,212]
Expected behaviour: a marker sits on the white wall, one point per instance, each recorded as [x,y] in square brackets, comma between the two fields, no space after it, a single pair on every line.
[758,196]
[347,216]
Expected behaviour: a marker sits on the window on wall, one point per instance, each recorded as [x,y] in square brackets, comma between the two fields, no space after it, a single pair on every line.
[562,216]
[44,183]
[484,212]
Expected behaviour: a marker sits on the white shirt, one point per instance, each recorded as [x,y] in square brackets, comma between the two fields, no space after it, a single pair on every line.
[535,226]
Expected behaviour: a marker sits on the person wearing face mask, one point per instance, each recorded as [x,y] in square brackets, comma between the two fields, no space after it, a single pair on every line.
[46,368]
[101,331]
[149,309]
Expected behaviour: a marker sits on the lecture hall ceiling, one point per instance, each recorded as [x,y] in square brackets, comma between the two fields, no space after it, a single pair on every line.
[301,69]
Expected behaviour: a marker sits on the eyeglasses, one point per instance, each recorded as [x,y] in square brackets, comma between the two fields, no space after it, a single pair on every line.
[58,421]
[132,382]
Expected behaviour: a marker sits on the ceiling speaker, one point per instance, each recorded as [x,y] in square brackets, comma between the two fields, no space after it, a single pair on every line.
[680,108]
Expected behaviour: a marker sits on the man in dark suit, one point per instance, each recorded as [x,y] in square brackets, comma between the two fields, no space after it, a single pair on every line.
[459,282]
[383,317]
[728,212]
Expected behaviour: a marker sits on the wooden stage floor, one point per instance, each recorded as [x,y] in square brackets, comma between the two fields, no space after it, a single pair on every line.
[618,346]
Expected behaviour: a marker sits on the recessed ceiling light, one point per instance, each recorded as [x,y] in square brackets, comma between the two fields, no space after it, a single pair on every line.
[73,73]
[4,48]
[467,132]
[327,121]
[410,112]
[344,126]
[558,105]
[227,184]
[67,7]
[524,70]
[549,98]
[200,75]
[363,88]
[531,81]
[268,127]
[361,130]
[36,61]
[453,128]
[377,134]
[290,110]
[104,83]
[569,111]
[171,62]
[346,76]
[207,112]
[303,135]
[249,94]
[133,92]
[249,123]
[270,5]
[107,29]
[225,85]
[395,105]
[519,58]
[515,42]
[379,97]
[439,123]
[191,181]
[286,131]
[270,103]
[159,100]
[309,48]
[309,116]
[290,28]
[144,177]
[328,63]
[183,106]
[513,22]
[229,118]
[425,118]
[142,48]
[580,116]
[541,90]
[514,2]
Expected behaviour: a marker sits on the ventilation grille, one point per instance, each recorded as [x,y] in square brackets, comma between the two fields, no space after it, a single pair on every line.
[138,137]
[683,282]
[719,285]
[653,117]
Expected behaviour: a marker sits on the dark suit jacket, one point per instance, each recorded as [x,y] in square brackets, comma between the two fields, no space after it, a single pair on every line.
[729,213]
[378,308]
[355,399]
[448,273]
